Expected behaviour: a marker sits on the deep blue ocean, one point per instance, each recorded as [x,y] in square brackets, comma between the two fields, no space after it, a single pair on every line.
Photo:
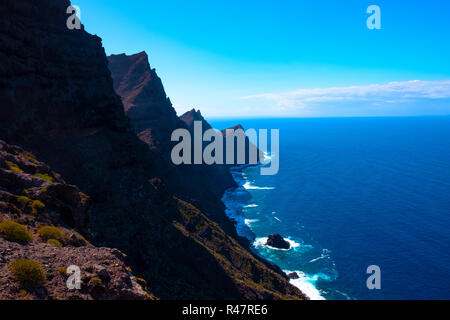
[350,193]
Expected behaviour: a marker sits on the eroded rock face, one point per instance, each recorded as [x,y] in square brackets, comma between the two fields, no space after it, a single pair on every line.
[194,115]
[277,241]
[58,101]
[154,119]
[144,98]
[35,196]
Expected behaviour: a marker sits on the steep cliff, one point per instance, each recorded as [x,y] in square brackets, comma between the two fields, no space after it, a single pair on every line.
[154,119]
[192,116]
[58,101]
[144,98]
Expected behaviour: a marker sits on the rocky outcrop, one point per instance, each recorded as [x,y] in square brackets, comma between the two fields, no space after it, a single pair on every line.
[277,241]
[33,196]
[293,276]
[58,101]
[144,98]
[194,115]
[236,127]
[248,146]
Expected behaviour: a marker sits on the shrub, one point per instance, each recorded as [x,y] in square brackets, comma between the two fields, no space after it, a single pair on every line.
[141,281]
[37,205]
[14,231]
[149,296]
[29,157]
[23,293]
[50,232]
[83,197]
[28,272]
[95,282]
[54,242]
[23,201]
[13,167]
[45,177]
[62,270]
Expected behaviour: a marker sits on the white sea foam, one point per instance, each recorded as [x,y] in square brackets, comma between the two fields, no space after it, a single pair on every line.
[306,284]
[249,222]
[249,186]
[267,158]
[261,242]
[322,256]
[344,294]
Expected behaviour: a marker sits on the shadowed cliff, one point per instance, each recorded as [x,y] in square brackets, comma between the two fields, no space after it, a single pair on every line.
[154,119]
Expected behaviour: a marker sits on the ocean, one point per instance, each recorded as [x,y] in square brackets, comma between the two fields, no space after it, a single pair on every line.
[351,193]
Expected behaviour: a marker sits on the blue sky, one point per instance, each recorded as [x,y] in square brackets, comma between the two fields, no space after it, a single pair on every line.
[286,58]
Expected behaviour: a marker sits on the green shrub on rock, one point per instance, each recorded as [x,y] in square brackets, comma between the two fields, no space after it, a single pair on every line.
[36,206]
[23,201]
[62,270]
[13,167]
[54,242]
[28,272]
[15,231]
[45,177]
[50,232]
[95,282]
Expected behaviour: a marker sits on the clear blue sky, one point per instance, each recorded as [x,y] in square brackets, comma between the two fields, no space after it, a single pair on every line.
[280,58]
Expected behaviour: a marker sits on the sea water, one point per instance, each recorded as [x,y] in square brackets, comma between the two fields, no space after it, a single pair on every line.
[351,193]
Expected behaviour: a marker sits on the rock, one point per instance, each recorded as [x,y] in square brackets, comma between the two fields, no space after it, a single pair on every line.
[76,240]
[277,241]
[293,276]
[194,115]
[102,272]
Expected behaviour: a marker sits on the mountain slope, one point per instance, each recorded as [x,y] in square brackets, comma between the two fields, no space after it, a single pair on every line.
[32,198]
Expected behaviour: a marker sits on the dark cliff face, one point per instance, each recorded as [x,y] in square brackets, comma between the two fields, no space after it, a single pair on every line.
[154,119]
[58,101]
[144,98]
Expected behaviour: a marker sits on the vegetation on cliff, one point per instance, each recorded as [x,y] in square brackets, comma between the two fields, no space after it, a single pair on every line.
[35,267]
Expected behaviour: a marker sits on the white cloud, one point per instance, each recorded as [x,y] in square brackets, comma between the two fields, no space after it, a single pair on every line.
[393,92]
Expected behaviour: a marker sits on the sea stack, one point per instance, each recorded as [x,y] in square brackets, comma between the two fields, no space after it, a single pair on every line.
[277,241]
[293,276]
